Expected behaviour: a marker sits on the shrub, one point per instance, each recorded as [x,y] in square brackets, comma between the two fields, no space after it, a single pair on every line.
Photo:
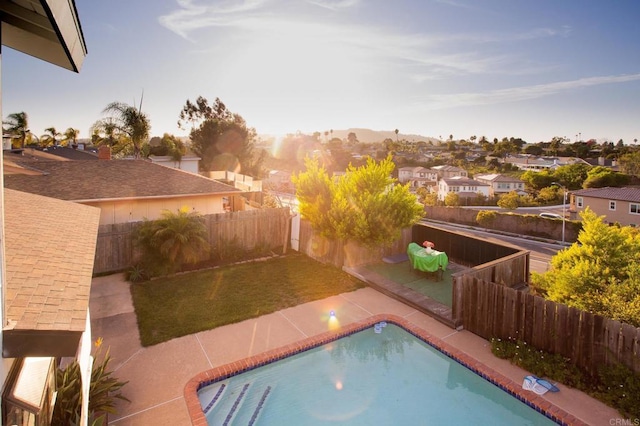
[171,241]
[617,386]
[103,392]
[486,218]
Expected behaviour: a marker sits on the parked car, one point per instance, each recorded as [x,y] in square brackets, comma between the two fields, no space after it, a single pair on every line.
[550,216]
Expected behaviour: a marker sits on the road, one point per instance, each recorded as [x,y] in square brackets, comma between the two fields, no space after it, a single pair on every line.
[541,252]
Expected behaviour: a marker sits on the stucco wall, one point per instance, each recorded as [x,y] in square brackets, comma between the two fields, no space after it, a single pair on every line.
[136,210]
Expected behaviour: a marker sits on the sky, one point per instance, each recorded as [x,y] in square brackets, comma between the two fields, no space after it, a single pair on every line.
[493,68]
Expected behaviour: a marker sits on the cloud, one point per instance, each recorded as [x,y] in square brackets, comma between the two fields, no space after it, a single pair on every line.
[191,16]
[516,94]
[334,4]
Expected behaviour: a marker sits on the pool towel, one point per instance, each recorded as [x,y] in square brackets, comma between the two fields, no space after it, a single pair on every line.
[538,385]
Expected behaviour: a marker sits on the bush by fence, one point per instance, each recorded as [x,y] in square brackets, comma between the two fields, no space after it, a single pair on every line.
[588,340]
[252,228]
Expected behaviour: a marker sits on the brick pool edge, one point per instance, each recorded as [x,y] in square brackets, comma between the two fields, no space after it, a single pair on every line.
[223,372]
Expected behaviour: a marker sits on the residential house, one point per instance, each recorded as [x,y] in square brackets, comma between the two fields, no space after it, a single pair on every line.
[126,190]
[418,177]
[536,164]
[46,246]
[447,171]
[501,184]
[188,163]
[465,187]
[279,180]
[617,205]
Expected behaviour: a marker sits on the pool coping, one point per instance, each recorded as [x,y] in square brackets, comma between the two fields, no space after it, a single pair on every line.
[225,371]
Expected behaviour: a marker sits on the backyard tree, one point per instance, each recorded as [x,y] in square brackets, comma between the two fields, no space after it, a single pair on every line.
[601,177]
[364,205]
[171,241]
[220,137]
[51,137]
[600,273]
[70,136]
[452,199]
[17,127]
[128,124]
[509,201]
[630,163]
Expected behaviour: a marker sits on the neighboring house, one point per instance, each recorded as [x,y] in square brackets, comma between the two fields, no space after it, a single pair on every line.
[417,177]
[444,172]
[501,184]
[126,190]
[46,246]
[536,164]
[188,163]
[618,205]
[463,186]
[279,180]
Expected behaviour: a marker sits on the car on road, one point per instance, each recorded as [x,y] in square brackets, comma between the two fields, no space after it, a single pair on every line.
[550,215]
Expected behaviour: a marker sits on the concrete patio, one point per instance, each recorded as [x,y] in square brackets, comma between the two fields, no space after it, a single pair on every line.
[157,375]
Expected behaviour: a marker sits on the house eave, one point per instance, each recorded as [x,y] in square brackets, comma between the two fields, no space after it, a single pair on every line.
[49,343]
[46,29]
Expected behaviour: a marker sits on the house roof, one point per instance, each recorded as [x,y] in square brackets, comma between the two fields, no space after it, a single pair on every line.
[461,180]
[621,194]
[50,249]
[85,181]
[496,177]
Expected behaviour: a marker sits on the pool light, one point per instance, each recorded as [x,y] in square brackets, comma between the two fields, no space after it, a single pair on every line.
[332,314]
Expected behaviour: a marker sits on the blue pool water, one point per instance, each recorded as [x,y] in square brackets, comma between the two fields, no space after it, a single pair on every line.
[367,378]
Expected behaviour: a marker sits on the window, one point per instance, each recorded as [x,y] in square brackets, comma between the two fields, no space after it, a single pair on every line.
[612,205]
[634,208]
[579,201]
[30,392]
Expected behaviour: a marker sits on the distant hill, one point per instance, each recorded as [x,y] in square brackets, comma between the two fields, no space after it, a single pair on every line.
[373,136]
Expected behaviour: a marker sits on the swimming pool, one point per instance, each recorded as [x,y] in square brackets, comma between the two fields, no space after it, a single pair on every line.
[364,377]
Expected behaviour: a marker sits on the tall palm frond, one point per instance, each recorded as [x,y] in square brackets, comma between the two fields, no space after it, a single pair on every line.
[130,121]
[17,127]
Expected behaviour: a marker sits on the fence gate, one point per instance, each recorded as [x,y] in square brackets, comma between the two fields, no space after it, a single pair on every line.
[295,232]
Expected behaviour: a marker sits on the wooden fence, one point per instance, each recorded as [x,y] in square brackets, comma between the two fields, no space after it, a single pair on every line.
[266,227]
[492,310]
[339,253]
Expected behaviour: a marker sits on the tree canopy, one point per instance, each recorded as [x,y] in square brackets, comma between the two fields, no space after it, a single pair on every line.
[600,273]
[220,137]
[126,128]
[364,205]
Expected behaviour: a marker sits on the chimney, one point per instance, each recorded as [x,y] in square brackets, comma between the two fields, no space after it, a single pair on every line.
[104,152]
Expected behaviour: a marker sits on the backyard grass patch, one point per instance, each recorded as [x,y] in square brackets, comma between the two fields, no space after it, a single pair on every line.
[185,304]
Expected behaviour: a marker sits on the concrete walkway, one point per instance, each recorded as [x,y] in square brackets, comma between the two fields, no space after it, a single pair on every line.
[157,374]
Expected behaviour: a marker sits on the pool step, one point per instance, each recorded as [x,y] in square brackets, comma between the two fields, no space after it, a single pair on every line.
[237,404]
[265,394]
[215,399]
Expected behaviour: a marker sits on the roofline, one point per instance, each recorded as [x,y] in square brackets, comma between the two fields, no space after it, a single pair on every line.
[153,197]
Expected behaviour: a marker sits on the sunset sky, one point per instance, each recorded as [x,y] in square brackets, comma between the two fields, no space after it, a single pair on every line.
[494,68]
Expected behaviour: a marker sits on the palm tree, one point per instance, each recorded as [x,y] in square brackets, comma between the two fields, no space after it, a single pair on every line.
[52,137]
[71,136]
[131,122]
[397,131]
[104,132]
[18,127]
[173,240]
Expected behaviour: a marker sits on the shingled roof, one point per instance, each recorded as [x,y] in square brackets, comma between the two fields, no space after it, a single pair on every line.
[50,249]
[620,194]
[84,181]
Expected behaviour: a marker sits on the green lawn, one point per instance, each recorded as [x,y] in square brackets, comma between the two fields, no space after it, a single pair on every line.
[172,307]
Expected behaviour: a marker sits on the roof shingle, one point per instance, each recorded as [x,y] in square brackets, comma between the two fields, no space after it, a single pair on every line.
[50,249]
[114,179]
